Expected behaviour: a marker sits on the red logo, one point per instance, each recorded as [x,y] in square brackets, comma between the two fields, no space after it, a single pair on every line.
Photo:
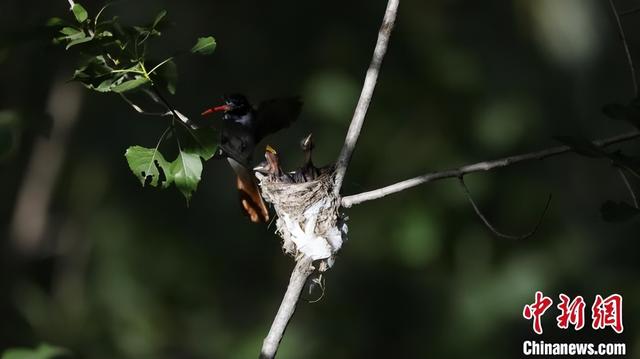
[536,309]
[571,312]
[607,313]
[604,312]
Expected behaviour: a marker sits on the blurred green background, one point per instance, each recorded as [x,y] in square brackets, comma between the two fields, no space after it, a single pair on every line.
[92,262]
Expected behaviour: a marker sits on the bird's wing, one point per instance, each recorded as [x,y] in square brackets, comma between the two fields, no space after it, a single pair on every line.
[276,114]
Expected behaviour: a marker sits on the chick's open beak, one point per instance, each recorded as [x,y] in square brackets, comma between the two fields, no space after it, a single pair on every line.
[262,167]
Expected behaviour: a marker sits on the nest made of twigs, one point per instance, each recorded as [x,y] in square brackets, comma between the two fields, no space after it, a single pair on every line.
[308,221]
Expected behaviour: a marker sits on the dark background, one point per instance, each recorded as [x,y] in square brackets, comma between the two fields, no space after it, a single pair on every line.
[120,271]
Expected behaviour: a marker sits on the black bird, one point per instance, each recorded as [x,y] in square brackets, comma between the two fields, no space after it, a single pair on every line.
[243,127]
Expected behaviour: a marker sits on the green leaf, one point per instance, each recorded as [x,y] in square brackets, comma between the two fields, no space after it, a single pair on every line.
[130,85]
[203,142]
[78,41]
[104,86]
[43,351]
[149,166]
[79,12]
[167,75]
[187,169]
[70,31]
[582,146]
[94,71]
[204,46]
[618,211]
[55,21]
[104,34]
[159,18]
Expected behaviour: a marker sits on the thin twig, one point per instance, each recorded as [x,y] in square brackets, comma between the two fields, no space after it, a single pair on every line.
[157,96]
[626,48]
[629,12]
[365,95]
[349,201]
[628,184]
[299,276]
[139,109]
[165,102]
[491,227]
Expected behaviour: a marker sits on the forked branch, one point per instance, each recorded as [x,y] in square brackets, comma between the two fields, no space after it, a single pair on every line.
[303,266]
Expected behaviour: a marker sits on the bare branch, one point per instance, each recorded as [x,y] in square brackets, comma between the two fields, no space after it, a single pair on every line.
[139,109]
[365,96]
[628,184]
[349,201]
[491,227]
[299,276]
[630,12]
[303,266]
[626,48]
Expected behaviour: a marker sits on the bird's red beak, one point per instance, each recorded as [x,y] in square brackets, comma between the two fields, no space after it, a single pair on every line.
[216,109]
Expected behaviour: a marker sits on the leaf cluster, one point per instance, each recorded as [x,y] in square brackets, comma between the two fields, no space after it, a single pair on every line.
[115,58]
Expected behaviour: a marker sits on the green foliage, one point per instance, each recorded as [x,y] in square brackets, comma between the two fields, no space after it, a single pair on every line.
[187,169]
[130,84]
[115,58]
[43,351]
[204,46]
[203,142]
[151,168]
[79,12]
[147,164]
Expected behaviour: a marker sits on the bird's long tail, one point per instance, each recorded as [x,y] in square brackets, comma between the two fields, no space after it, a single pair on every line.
[250,197]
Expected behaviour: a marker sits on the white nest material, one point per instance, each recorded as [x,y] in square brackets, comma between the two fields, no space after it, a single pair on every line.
[308,218]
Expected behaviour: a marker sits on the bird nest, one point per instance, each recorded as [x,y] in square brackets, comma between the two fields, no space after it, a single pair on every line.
[308,221]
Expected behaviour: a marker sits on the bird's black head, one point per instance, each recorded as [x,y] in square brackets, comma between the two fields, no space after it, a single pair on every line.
[235,103]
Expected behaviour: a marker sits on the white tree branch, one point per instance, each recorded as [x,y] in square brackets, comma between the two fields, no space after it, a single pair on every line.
[349,201]
[299,276]
[303,266]
[365,95]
